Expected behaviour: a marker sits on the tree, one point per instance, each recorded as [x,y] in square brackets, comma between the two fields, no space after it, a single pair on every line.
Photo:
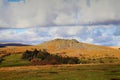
[35,53]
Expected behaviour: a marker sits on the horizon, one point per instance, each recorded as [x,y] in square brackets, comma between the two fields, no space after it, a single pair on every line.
[51,40]
[35,21]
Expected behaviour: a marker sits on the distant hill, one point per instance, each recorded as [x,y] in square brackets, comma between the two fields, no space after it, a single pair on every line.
[69,47]
[115,47]
[75,48]
[12,44]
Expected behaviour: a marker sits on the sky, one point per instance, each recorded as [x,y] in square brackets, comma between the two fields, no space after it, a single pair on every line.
[36,21]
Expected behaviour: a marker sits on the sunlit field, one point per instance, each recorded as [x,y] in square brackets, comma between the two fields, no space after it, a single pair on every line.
[13,67]
[62,72]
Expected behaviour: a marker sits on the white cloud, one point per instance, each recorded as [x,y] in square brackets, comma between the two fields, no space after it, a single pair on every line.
[103,35]
[36,13]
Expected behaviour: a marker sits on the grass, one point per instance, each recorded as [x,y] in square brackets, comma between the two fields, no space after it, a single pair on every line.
[13,60]
[8,71]
[61,72]
[63,46]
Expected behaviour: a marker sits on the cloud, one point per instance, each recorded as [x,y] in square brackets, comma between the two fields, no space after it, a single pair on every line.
[102,35]
[36,21]
[40,13]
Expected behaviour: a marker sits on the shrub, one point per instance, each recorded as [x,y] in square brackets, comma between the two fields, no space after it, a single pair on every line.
[35,61]
[1,59]
[42,54]
[42,57]
[27,55]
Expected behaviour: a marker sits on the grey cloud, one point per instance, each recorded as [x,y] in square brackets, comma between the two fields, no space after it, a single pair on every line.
[39,13]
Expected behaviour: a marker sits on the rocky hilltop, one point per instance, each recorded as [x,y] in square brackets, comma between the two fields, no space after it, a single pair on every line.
[75,48]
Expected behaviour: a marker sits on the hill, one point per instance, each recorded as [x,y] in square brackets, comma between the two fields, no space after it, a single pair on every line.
[66,47]
[115,47]
[76,48]
[12,44]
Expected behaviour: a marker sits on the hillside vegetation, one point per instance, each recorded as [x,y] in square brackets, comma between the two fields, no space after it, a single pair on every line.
[66,47]
[42,57]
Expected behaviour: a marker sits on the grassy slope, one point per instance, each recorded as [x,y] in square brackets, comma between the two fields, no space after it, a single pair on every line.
[73,48]
[14,60]
[61,72]
[70,48]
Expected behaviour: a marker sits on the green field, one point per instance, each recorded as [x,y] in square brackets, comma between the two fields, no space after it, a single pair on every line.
[63,72]
[13,60]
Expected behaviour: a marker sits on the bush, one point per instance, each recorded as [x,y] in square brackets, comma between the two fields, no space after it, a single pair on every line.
[1,59]
[27,55]
[42,54]
[42,57]
[52,61]
[35,61]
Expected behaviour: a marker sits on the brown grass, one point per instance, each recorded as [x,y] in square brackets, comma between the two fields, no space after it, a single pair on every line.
[49,66]
[69,48]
